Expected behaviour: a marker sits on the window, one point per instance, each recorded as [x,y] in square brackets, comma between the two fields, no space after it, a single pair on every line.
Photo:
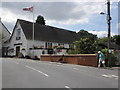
[45,45]
[18,34]
[60,44]
[48,45]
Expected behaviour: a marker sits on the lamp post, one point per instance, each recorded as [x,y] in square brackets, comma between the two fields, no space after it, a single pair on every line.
[109,24]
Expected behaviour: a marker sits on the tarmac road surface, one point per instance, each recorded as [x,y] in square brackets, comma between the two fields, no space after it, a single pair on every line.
[26,73]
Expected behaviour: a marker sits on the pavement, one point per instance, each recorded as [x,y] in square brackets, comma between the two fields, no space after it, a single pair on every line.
[26,73]
[115,68]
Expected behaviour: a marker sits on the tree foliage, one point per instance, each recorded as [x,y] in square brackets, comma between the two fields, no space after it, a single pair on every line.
[116,39]
[40,20]
[86,45]
[110,58]
[103,40]
[85,34]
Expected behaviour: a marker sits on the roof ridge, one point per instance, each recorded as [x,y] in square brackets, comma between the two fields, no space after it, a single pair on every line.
[53,27]
[24,20]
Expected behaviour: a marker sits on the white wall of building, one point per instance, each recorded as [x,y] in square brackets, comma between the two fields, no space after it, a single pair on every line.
[14,41]
[42,44]
[65,45]
[5,32]
[4,36]
[38,52]
[36,43]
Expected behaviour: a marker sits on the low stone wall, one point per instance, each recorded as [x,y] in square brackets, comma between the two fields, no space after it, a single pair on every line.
[79,59]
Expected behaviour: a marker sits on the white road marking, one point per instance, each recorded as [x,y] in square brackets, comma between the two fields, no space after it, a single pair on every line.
[37,71]
[115,76]
[76,68]
[68,87]
[110,76]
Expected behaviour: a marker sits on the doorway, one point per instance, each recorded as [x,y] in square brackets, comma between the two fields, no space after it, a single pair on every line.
[17,50]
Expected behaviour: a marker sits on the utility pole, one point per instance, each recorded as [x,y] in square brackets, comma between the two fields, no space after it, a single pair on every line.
[108,22]
[109,30]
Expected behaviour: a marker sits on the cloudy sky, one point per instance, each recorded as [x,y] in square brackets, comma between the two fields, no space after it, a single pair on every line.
[72,15]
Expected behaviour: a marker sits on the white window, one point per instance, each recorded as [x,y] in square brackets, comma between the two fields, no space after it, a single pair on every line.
[18,34]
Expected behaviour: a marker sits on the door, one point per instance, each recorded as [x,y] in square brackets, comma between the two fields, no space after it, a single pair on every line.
[50,51]
[17,50]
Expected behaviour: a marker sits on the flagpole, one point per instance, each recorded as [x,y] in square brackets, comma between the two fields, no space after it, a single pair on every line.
[33,30]
[31,9]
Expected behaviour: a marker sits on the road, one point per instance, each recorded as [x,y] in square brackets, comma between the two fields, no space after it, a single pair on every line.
[26,73]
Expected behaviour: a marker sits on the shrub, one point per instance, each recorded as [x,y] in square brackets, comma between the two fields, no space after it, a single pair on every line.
[110,58]
[73,52]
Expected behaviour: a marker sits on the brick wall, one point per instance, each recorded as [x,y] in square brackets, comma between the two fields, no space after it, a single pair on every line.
[81,59]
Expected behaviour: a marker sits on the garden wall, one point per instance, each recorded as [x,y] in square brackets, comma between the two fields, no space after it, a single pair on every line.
[79,59]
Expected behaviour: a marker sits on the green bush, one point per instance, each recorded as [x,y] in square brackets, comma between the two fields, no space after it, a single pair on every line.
[73,52]
[109,57]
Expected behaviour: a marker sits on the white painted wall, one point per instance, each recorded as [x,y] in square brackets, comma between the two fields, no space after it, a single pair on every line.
[65,45]
[14,41]
[30,45]
[5,32]
[4,36]
[38,52]
[36,43]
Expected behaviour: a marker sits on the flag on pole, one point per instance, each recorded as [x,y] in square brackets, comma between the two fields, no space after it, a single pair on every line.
[31,9]
[28,9]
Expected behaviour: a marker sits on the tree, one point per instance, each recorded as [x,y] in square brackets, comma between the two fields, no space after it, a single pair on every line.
[116,39]
[103,40]
[87,44]
[110,58]
[85,34]
[40,20]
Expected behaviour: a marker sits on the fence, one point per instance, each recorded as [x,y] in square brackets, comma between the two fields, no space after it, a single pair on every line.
[80,59]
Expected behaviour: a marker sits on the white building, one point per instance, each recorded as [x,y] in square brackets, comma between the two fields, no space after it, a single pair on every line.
[4,37]
[46,38]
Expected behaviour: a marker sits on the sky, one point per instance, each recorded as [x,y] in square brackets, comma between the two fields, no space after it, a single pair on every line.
[119,18]
[72,15]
